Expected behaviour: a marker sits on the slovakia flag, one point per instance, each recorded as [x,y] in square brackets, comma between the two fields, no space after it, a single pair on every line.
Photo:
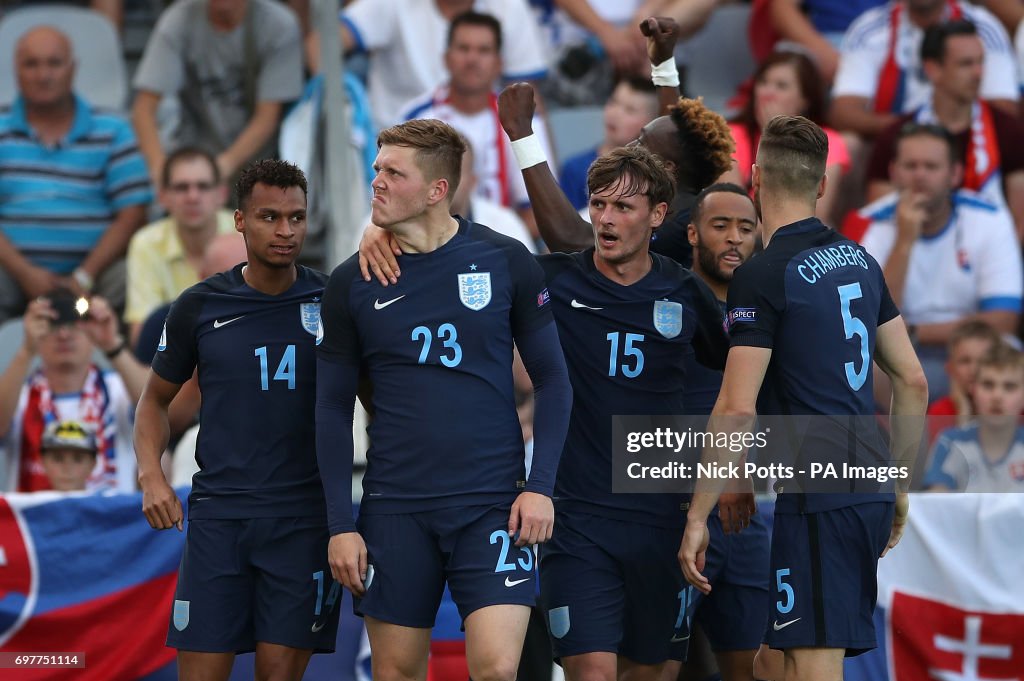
[85,574]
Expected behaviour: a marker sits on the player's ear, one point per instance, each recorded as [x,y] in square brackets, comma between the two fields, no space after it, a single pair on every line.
[239,221]
[755,177]
[658,214]
[691,234]
[821,186]
[438,191]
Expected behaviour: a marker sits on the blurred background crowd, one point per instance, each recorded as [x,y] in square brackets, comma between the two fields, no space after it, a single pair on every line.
[123,123]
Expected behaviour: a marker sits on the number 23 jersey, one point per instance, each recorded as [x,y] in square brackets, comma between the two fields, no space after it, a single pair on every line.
[437,347]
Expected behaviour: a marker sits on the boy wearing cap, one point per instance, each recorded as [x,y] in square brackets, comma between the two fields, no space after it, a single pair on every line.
[68,452]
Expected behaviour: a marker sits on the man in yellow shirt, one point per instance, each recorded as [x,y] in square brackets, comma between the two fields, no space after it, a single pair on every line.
[166,256]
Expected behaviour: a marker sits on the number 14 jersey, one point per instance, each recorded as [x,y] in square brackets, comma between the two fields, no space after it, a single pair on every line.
[256,360]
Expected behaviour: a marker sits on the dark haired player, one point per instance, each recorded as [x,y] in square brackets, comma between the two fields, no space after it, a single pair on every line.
[254,575]
[723,231]
[630,323]
[804,346]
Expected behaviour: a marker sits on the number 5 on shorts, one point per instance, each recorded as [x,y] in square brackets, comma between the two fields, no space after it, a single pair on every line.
[786,589]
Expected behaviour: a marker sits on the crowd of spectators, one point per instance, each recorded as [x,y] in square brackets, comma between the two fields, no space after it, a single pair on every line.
[920,100]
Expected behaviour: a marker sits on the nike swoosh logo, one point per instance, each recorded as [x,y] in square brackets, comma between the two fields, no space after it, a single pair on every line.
[580,306]
[679,639]
[317,626]
[779,627]
[217,323]
[518,581]
[377,305]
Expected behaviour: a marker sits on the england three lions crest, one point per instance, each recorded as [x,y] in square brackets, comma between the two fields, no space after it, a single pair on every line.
[309,313]
[475,290]
[668,318]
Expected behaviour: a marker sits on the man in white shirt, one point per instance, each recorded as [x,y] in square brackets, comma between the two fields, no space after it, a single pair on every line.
[406,39]
[468,102]
[880,74]
[948,255]
[470,205]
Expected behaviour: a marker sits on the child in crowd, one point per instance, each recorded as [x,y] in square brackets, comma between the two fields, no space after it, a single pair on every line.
[68,452]
[968,343]
[986,455]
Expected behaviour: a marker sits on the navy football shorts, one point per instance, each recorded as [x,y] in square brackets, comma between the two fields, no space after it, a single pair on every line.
[255,580]
[411,556]
[823,577]
[614,586]
[733,614]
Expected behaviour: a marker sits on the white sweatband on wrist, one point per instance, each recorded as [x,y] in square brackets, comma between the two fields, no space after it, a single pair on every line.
[528,152]
[665,74]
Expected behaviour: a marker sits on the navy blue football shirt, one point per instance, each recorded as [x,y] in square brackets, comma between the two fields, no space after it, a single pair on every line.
[256,360]
[671,240]
[437,347]
[627,348]
[702,383]
[816,299]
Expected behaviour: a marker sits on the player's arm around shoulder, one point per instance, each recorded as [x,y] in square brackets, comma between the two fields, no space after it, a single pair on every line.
[378,253]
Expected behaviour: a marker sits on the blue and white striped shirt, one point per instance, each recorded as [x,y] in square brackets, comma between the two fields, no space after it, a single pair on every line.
[56,201]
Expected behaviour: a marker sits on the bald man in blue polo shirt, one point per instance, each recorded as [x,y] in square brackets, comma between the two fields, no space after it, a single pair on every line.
[73,186]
